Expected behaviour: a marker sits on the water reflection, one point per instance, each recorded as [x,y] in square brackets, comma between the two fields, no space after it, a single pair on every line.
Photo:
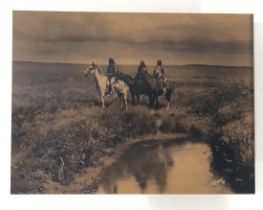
[174,168]
[142,162]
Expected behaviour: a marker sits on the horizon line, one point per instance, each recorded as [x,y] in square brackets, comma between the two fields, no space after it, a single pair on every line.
[184,64]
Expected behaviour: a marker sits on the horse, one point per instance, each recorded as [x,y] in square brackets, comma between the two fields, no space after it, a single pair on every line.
[148,85]
[102,84]
[101,80]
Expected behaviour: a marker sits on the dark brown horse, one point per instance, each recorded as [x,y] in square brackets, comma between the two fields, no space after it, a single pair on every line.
[147,85]
[153,88]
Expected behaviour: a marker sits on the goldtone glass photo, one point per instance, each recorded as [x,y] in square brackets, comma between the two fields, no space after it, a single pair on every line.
[132,103]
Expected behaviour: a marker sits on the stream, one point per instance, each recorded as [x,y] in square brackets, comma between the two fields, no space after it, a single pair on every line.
[171,167]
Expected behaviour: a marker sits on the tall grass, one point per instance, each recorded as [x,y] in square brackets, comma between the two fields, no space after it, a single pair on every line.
[233,148]
[62,143]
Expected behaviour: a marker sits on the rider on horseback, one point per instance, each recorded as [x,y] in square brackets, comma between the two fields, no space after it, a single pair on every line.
[111,71]
[142,70]
[159,73]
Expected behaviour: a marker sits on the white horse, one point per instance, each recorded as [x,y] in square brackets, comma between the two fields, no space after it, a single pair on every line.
[121,89]
[102,83]
[101,80]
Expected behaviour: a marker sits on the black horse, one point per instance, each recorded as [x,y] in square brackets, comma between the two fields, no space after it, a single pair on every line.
[146,85]
[153,88]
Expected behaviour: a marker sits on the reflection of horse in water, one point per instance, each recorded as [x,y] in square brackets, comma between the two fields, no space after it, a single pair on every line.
[102,83]
[143,165]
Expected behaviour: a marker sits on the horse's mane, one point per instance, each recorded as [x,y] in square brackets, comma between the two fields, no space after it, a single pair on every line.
[122,75]
[97,67]
[146,76]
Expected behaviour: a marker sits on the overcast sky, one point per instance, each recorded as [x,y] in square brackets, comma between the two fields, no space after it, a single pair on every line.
[129,38]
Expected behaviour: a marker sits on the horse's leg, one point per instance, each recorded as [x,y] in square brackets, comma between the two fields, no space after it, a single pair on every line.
[125,101]
[120,99]
[138,99]
[168,106]
[155,101]
[133,98]
[102,100]
[157,105]
[168,98]
[150,101]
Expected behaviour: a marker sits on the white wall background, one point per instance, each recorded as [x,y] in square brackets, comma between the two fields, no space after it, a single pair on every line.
[75,202]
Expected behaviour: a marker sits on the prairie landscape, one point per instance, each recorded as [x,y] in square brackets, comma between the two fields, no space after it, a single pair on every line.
[64,142]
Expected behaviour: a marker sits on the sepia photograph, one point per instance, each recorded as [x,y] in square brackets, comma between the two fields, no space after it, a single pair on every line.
[132,103]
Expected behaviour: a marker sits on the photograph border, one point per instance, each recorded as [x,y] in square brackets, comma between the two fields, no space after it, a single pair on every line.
[127,201]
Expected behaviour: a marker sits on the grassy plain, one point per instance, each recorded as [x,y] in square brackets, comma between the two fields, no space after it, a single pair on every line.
[60,131]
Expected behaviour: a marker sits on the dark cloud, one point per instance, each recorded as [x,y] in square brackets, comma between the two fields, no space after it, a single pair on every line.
[67,36]
[208,46]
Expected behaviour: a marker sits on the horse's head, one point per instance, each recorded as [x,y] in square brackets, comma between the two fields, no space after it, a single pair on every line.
[90,70]
[113,80]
